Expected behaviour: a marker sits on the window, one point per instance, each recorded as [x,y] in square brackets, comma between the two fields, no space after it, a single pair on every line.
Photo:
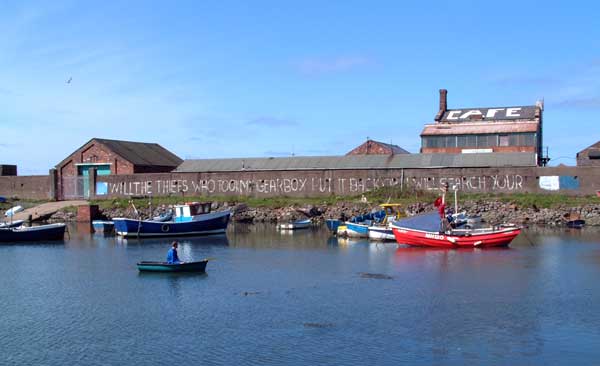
[472,140]
[503,140]
[486,140]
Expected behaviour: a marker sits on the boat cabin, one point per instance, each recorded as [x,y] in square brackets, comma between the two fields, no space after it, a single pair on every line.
[187,211]
[392,212]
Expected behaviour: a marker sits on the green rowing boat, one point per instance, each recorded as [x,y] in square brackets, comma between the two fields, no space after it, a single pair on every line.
[175,267]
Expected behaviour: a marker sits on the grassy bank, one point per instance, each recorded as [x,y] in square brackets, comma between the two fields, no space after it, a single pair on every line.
[388,194]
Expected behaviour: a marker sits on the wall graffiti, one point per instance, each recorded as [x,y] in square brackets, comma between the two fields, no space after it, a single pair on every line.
[507,182]
[309,185]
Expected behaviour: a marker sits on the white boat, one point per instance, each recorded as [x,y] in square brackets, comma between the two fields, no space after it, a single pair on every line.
[15,223]
[295,225]
[383,231]
[13,210]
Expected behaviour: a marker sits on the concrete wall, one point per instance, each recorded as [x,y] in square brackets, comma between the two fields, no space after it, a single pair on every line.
[36,187]
[307,183]
[569,180]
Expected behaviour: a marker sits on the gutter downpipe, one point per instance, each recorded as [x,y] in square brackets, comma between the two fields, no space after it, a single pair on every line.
[402,180]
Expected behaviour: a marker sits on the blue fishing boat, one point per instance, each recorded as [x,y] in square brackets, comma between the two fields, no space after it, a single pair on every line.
[358,226]
[189,219]
[333,224]
[32,233]
[103,226]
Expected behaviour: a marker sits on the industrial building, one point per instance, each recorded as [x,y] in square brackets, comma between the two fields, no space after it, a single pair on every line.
[372,147]
[590,156]
[110,157]
[484,130]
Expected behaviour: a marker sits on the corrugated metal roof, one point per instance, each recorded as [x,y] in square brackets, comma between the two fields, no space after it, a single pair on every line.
[142,153]
[479,128]
[358,162]
[367,145]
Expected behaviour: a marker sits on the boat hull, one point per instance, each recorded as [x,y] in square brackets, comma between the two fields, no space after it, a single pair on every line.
[357,230]
[333,224]
[35,233]
[9,224]
[483,239]
[381,233]
[166,267]
[213,223]
[103,226]
[304,224]
[576,224]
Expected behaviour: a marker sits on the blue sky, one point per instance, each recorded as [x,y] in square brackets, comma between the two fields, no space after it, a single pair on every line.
[217,79]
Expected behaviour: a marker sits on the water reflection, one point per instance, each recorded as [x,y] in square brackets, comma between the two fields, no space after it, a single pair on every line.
[212,240]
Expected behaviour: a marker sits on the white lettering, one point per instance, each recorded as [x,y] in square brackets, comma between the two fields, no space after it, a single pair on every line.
[492,112]
[453,115]
[512,112]
[468,114]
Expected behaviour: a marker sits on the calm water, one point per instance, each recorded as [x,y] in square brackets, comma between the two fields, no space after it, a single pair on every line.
[300,299]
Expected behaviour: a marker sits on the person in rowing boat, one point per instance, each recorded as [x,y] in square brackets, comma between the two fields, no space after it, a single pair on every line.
[172,257]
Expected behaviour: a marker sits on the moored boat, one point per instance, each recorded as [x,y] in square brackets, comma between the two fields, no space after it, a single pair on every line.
[103,226]
[13,210]
[382,231]
[15,223]
[576,224]
[427,230]
[33,233]
[147,266]
[190,219]
[333,224]
[358,226]
[295,225]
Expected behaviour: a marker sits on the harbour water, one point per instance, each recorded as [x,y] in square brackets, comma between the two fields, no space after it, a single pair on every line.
[302,298]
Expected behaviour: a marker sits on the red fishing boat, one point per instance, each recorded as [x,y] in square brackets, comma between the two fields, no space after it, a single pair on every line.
[428,230]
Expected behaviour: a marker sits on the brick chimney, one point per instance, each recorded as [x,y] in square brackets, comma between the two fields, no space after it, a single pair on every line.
[443,104]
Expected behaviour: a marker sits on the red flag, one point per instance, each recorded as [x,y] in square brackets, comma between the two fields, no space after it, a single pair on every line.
[442,210]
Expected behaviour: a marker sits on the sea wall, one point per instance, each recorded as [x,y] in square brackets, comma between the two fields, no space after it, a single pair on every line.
[34,187]
[315,183]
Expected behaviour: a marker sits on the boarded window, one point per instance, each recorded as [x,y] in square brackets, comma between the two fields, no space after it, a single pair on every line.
[503,140]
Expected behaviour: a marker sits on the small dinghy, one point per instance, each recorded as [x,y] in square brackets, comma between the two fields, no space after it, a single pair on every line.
[33,233]
[576,224]
[12,211]
[146,266]
[294,225]
[103,226]
[15,223]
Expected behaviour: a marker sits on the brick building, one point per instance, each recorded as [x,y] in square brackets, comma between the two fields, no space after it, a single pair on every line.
[372,147]
[590,156]
[484,130]
[110,157]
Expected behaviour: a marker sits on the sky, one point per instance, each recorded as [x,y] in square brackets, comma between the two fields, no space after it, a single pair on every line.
[220,79]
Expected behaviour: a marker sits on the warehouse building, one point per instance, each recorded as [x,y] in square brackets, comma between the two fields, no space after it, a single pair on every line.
[484,130]
[590,156]
[110,157]
[372,147]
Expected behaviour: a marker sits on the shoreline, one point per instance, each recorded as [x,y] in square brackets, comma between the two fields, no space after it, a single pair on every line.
[493,212]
